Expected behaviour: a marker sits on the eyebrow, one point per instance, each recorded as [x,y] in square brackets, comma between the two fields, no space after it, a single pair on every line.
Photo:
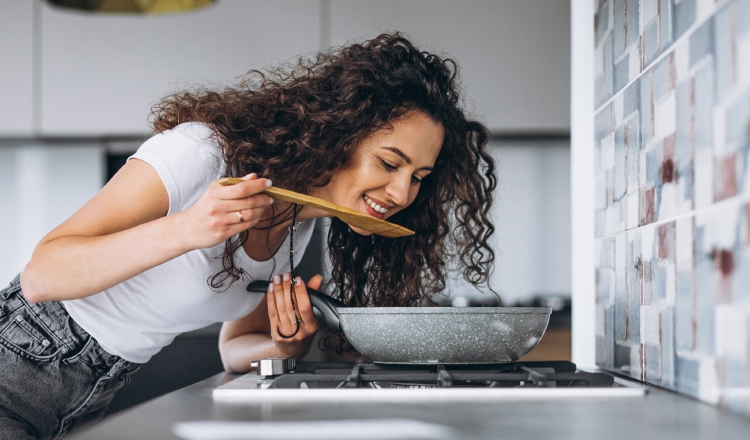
[403,156]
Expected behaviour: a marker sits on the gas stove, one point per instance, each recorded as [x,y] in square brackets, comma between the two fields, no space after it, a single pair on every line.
[281,378]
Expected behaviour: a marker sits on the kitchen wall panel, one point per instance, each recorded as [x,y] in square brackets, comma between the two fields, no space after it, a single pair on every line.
[672,206]
[101,73]
[16,68]
[42,185]
[514,56]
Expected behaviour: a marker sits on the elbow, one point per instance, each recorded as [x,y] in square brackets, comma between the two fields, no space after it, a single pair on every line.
[30,286]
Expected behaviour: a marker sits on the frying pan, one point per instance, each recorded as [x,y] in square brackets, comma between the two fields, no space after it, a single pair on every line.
[432,335]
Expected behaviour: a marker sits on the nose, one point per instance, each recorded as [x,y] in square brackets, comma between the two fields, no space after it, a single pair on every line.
[398,190]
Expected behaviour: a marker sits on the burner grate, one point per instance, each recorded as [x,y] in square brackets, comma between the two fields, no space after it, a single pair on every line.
[367,375]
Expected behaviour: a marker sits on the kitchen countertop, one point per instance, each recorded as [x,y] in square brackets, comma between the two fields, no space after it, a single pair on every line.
[660,414]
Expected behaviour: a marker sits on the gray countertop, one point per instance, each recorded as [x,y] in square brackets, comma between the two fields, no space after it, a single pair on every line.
[659,415]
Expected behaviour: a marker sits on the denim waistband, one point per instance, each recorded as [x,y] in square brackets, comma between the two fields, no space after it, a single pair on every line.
[61,325]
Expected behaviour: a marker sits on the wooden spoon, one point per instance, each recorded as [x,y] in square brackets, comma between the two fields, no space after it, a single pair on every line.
[348,216]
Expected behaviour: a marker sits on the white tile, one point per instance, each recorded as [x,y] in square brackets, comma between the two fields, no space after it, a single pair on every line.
[634,64]
[651,324]
[607,151]
[647,241]
[731,336]
[666,206]
[664,116]
[684,240]
[649,11]
[725,224]
[682,61]
[704,178]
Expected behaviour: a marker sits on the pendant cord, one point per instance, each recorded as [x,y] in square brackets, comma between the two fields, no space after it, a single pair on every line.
[292,228]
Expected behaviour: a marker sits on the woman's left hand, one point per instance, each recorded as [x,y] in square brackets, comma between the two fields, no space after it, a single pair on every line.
[282,315]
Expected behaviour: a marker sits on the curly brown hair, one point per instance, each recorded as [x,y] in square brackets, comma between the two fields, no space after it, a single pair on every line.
[300,123]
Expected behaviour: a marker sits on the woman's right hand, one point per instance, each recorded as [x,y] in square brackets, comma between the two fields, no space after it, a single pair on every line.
[225,211]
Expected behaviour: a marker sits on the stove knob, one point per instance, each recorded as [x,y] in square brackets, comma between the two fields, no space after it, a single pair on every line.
[275,366]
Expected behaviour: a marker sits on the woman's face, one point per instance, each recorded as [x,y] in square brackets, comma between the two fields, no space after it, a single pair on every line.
[387,168]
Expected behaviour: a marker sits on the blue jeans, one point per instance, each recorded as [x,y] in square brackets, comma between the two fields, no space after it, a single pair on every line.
[54,377]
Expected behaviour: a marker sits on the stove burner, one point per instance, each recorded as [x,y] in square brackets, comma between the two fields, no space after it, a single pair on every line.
[368,375]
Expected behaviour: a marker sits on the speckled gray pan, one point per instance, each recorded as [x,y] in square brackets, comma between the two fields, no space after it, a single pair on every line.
[445,335]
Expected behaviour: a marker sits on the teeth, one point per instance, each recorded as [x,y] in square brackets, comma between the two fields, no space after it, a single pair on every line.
[375,206]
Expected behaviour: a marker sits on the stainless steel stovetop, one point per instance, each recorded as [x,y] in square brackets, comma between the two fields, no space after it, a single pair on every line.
[280,379]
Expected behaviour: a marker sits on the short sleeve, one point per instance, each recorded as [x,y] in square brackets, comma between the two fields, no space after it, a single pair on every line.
[187,159]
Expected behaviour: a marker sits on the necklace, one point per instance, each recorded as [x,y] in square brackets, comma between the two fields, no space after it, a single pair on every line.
[292,228]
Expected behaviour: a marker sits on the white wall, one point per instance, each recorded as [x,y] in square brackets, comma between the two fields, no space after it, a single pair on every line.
[41,186]
[80,74]
[514,55]
[16,68]
[531,213]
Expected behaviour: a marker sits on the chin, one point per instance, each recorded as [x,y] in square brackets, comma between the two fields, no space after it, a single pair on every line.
[360,231]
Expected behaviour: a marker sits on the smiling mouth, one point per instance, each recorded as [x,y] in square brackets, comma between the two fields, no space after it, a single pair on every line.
[373,208]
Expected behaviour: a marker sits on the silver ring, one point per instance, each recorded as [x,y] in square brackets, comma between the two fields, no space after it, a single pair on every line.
[239,214]
[294,321]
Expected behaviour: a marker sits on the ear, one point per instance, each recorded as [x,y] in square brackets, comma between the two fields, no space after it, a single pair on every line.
[315,282]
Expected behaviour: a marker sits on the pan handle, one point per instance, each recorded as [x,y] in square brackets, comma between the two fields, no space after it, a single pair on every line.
[324,303]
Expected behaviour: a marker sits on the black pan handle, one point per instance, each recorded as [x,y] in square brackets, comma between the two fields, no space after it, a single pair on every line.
[324,303]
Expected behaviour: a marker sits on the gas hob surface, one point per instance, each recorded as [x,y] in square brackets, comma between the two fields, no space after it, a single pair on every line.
[369,381]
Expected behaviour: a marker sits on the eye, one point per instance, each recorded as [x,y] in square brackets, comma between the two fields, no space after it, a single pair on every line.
[415,180]
[388,166]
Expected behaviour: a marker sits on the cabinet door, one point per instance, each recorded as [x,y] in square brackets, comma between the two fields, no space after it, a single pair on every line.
[514,55]
[101,73]
[16,68]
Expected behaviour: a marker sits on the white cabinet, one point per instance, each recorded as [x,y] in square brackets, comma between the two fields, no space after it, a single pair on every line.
[101,73]
[16,68]
[514,56]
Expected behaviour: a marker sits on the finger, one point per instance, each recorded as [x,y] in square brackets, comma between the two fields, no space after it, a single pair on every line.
[290,307]
[258,201]
[249,187]
[315,282]
[304,308]
[273,314]
[281,307]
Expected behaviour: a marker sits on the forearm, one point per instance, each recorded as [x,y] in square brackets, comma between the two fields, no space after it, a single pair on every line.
[71,267]
[239,352]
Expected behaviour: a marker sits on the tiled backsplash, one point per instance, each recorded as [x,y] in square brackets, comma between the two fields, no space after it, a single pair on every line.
[673,193]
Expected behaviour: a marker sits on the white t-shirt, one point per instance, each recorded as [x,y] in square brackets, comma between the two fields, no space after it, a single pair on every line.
[139,316]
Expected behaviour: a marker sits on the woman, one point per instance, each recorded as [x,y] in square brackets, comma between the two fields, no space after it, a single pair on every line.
[163,248]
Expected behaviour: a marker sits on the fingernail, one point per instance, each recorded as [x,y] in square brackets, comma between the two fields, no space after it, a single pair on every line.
[298,281]
[250,176]
[270,200]
[287,277]
[277,279]
[270,287]
[268,183]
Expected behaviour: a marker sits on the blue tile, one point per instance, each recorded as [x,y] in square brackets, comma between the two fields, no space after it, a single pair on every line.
[622,73]
[658,283]
[723,51]
[620,164]
[620,314]
[631,99]
[684,311]
[618,28]
[633,279]
[633,18]
[599,97]
[604,122]
[652,363]
[704,296]
[622,358]
[683,16]
[738,122]
[663,78]
[600,351]
[683,120]
[653,165]
[668,352]
[665,24]
[704,107]
[609,337]
[702,42]
[633,154]
[601,22]
[646,108]
[609,64]
[687,376]
[651,42]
